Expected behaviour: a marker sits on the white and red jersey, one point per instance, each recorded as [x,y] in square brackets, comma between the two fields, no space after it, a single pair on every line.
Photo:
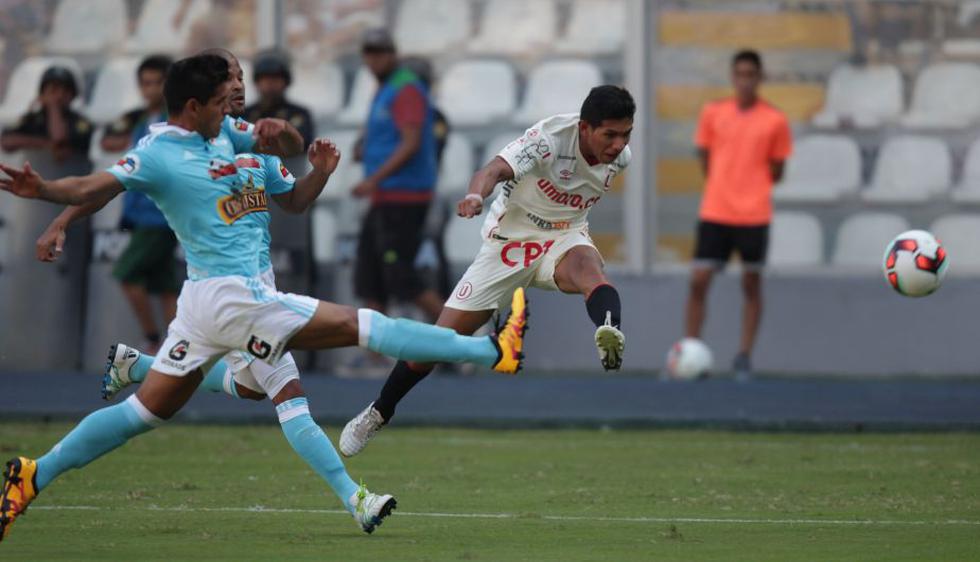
[553,187]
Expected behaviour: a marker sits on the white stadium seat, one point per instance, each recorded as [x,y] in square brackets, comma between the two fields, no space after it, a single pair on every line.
[862,238]
[496,144]
[87,26]
[432,27]
[515,27]
[463,239]
[116,90]
[154,29]
[795,240]
[557,87]
[910,169]
[938,100]
[457,165]
[865,97]
[324,235]
[968,190]
[596,27]
[959,234]
[22,88]
[822,168]
[320,89]
[359,104]
[348,172]
[478,92]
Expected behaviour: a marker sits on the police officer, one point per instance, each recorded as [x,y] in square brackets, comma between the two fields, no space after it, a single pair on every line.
[53,125]
[272,77]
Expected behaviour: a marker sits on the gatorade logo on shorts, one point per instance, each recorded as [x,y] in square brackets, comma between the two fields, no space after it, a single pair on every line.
[179,350]
[259,348]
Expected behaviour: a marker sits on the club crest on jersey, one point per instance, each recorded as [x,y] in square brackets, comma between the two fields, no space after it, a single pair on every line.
[247,162]
[218,169]
[129,163]
[249,199]
[241,124]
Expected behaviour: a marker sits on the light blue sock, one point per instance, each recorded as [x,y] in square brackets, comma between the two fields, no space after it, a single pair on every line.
[309,442]
[216,380]
[100,432]
[414,341]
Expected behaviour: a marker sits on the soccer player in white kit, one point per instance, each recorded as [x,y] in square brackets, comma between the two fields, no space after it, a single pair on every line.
[535,235]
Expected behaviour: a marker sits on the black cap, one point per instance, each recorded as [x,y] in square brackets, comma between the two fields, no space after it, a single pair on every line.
[59,75]
[271,64]
[377,40]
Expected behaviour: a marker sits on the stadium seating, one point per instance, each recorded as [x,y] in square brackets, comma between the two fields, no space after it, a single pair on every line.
[862,238]
[822,169]
[557,87]
[324,235]
[938,100]
[116,90]
[864,97]
[22,88]
[432,27]
[910,169]
[595,28]
[478,92]
[968,190]
[463,239]
[320,89]
[87,26]
[457,166]
[359,103]
[795,240]
[154,28]
[959,234]
[515,27]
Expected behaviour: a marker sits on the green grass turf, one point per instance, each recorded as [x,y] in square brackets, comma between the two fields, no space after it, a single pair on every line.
[908,487]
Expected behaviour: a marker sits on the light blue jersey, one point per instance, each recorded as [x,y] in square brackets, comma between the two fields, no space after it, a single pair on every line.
[218,211]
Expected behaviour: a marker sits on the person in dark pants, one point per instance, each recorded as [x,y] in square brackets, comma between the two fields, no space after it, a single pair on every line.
[743,143]
[272,77]
[53,126]
[399,155]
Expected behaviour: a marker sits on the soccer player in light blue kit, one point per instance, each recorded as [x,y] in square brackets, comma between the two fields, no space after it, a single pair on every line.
[224,306]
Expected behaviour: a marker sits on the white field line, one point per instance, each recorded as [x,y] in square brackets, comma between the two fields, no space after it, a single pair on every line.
[707,520]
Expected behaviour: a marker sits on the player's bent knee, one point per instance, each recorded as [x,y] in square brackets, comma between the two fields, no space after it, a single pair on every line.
[293,389]
[247,393]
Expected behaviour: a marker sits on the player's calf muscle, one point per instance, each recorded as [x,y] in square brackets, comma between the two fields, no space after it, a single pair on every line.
[332,325]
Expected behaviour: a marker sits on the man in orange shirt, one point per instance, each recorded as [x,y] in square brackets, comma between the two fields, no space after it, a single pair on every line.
[743,143]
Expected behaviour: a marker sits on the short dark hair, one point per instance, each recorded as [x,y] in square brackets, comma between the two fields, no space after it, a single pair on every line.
[197,77]
[607,102]
[748,55]
[159,63]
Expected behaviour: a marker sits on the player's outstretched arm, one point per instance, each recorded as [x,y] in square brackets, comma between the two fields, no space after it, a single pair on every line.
[52,241]
[277,137]
[324,157]
[73,190]
[481,186]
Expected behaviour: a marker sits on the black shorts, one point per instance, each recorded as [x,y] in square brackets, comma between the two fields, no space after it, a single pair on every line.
[390,239]
[716,243]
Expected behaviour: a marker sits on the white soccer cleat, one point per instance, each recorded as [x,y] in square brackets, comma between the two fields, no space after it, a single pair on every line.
[121,359]
[611,343]
[371,509]
[360,430]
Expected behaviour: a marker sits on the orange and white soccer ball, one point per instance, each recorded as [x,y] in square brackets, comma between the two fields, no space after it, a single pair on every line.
[915,263]
[689,359]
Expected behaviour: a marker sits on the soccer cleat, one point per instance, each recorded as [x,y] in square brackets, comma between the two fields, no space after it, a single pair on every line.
[121,359]
[611,342]
[371,509]
[360,430]
[19,490]
[509,340]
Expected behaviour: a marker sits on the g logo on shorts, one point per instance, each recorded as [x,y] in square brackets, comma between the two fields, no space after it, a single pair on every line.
[259,348]
[179,350]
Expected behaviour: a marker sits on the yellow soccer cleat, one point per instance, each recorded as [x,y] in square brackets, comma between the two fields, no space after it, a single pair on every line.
[19,490]
[510,339]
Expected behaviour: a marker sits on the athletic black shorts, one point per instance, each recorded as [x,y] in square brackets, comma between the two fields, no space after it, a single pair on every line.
[390,239]
[717,242]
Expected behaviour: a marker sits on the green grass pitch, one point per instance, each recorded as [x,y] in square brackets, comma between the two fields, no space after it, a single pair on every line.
[239,493]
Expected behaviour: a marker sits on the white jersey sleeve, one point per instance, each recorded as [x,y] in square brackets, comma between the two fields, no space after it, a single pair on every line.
[528,152]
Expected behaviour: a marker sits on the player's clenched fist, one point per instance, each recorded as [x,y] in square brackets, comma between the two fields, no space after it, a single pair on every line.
[470,206]
[324,155]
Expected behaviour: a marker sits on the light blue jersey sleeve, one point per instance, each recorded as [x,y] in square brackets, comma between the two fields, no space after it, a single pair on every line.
[140,170]
[240,132]
[277,178]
